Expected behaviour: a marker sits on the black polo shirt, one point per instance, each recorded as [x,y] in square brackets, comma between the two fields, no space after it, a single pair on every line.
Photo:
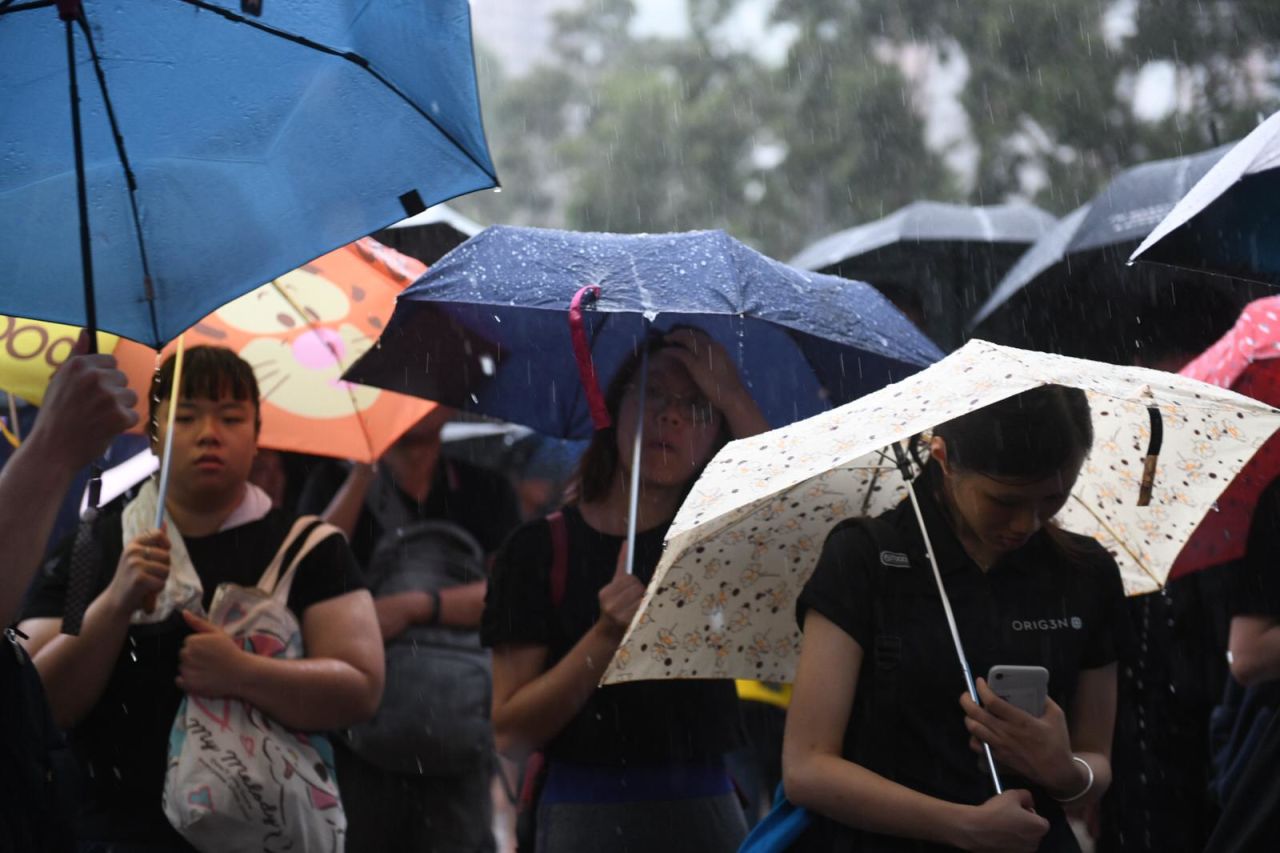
[1056,602]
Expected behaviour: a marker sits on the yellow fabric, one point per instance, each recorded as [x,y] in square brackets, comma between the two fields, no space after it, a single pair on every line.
[30,350]
[766,692]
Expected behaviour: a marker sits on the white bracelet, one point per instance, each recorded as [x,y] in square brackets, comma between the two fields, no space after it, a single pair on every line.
[1088,786]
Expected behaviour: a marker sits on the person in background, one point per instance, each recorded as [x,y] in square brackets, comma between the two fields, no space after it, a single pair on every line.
[632,767]
[424,808]
[882,740]
[117,685]
[269,474]
[87,404]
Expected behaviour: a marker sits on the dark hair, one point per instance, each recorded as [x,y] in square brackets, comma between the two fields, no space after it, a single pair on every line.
[208,373]
[1028,436]
[599,463]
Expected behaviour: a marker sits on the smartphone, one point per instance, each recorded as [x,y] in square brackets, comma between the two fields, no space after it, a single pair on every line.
[1025,687]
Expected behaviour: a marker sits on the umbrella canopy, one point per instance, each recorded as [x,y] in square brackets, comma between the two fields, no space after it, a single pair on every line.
[486,329]
[220,148]
[431,234]
[939,260]
[722,600]
[300,332]
[1229,222]
[31,350]
[1246,360]
[1072,292]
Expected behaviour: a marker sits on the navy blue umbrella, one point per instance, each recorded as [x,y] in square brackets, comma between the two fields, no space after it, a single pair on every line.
[486,329]
[1228,223]
[161,157]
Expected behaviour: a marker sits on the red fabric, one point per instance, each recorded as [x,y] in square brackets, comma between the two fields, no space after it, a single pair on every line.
[1246,360]
[582,354]
[68,10]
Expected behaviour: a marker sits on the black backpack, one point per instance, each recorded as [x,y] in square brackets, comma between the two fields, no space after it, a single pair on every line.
[37,806]
[434,716]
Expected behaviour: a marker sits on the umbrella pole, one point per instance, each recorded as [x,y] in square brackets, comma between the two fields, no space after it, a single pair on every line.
[13,416]
[637,446]
[167,458]
[86,254]
[955,632]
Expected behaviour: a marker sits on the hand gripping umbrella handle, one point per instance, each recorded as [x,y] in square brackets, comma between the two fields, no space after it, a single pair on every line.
[582,354]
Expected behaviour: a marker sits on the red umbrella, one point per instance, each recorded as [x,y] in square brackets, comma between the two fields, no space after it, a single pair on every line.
[1246,360]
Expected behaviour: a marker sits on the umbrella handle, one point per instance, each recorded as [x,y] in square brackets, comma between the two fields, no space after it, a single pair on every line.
[582,355]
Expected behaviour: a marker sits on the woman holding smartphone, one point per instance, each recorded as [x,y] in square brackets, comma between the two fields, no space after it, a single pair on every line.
[883,742]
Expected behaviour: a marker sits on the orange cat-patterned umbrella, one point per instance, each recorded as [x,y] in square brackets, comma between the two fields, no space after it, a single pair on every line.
[300,332]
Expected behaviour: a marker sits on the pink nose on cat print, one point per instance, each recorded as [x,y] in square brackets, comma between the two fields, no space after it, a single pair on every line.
[319,349]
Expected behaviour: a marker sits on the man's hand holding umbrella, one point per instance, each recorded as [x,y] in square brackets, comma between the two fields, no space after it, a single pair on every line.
[88,403]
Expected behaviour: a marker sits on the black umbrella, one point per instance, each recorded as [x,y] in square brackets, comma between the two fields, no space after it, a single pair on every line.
[1074,293]
[1229,222]
[429,236]
[937,262]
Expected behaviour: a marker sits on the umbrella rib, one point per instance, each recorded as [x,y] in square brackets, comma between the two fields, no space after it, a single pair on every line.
[1136,559]
[353,58]
[6,6]
[130,178]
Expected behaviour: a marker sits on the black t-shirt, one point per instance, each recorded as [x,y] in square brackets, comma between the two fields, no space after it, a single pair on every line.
[479,501]
[122,745]
[649,723]
[1056,604]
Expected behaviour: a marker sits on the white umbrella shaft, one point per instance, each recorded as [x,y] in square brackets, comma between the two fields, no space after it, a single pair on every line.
[167,458]
[951,623]
[636,447]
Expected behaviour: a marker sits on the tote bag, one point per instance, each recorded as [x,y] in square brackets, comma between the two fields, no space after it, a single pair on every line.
[236,779]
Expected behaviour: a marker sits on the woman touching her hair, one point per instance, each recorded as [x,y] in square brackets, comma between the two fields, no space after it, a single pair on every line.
[631,767]
[883,742]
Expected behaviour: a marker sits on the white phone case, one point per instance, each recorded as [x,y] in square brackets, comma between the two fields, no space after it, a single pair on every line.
[1025,687]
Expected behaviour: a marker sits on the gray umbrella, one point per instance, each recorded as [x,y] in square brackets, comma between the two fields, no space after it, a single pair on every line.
[1074,293]
[936,261]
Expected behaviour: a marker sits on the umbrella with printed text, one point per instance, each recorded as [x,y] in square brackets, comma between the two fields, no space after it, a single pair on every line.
[941,260]
[1074,293]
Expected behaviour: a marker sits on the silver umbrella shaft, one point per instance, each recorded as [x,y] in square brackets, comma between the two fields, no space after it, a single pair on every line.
[636,447]
[955,631]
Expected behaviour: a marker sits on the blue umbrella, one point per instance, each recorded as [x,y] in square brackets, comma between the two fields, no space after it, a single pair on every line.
[212,145]
[1229,222]
[486,330]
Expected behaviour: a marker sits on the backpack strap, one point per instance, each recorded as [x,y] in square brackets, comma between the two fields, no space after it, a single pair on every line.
[559,577]
[307,532]
[385,504]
